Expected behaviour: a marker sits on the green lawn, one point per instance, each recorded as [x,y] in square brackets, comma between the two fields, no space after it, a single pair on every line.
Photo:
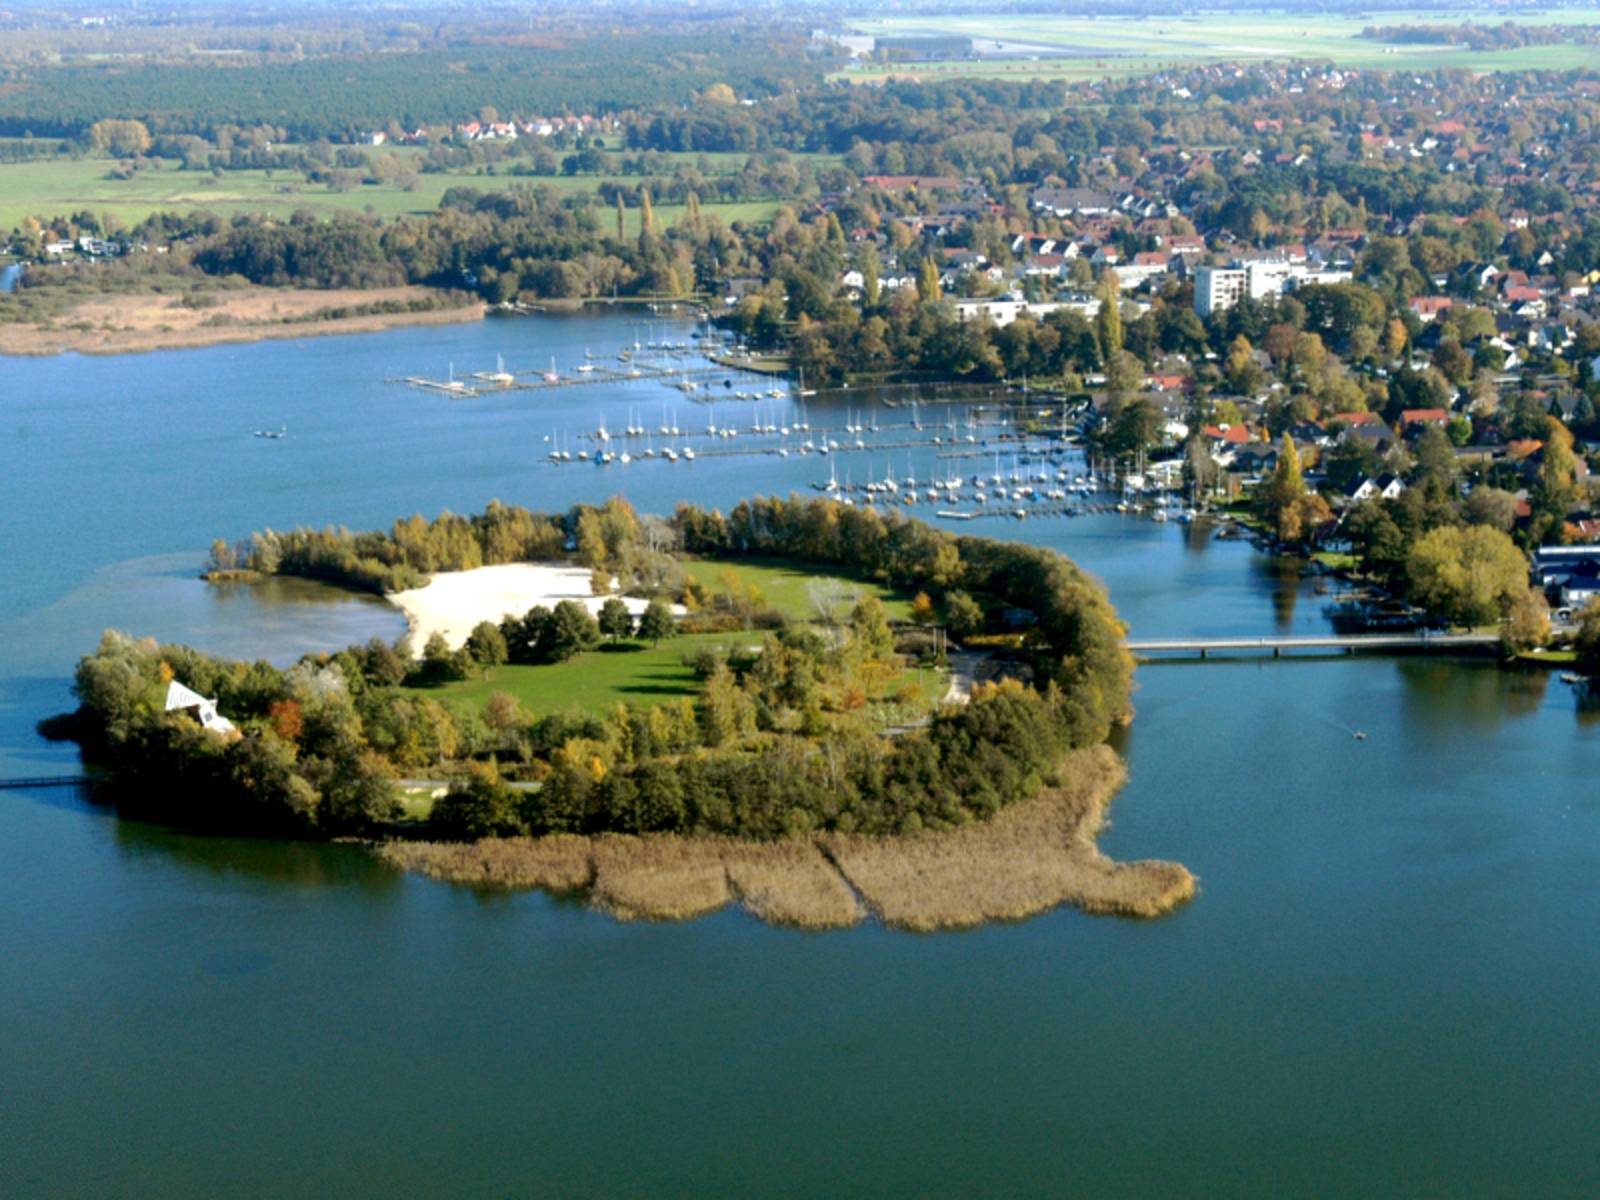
[62,186]
[1082,47]
[787,587]
[597,680]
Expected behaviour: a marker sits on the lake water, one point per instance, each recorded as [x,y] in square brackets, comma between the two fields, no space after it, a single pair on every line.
[1386,986]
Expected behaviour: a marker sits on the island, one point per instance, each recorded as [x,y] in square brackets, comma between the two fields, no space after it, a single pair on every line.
[814,709]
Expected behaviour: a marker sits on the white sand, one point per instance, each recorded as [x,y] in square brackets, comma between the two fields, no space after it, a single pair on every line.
[455,601]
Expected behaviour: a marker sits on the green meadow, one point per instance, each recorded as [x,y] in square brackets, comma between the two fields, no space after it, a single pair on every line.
[59,187]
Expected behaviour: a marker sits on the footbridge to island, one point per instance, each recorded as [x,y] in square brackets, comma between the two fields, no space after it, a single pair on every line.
[1369,643]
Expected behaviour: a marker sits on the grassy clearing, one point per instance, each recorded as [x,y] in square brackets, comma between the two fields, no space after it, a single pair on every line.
[60,186]
[1033,857]
[786,586]
[597,680]
[1081,47]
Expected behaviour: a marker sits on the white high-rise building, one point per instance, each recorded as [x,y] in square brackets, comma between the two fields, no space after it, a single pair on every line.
[1217,288]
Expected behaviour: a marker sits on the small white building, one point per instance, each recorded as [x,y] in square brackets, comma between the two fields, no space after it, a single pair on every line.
[180,697]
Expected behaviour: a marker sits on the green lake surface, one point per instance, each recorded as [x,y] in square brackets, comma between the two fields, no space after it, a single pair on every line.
[1387,985]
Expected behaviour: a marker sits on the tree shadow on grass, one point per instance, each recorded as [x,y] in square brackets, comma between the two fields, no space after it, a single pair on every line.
[656,689]
[619,647]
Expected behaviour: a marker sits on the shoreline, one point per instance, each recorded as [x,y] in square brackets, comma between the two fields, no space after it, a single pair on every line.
[1029,858]
[28,340]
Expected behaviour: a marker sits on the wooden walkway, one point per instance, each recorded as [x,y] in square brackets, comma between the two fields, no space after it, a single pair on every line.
[1424,643]
[45,781]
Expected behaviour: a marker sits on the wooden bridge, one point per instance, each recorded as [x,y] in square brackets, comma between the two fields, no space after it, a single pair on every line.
[1413,643]
[44,781]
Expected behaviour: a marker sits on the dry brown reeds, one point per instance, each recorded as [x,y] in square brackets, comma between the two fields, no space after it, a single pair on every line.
[559,863]
[1029,858]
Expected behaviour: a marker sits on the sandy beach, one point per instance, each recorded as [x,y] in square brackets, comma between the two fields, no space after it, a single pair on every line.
[454,601]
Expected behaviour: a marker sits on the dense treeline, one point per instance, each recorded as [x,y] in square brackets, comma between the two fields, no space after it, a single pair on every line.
[776,743]
[611,537]
[341,96]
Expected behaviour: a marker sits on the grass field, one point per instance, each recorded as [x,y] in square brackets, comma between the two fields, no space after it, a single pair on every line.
[598,680]
[62,186]
[639,674]
[1072,47]
[787,587]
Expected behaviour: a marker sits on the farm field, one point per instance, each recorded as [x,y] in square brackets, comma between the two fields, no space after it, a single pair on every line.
[59,187]
[1071,48]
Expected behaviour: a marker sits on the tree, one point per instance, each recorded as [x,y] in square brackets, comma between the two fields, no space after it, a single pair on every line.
[922,611]
[1283,490]
[1588,640]
[657,623]
[963,614]
[486,645]
[1108,318]
[869,628]
[1491,506]
[928,282]
[120,137]
[287,720]
[615,620]
[439,663]
[1527,625]
[478,807]
[572,629]
[1470,575]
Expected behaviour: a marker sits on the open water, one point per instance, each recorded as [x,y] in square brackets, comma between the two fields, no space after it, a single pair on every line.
[1387,984]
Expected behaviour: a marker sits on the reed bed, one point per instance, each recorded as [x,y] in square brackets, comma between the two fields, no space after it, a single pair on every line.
[1028,859]
[659,878]
[559,863]
[791,883]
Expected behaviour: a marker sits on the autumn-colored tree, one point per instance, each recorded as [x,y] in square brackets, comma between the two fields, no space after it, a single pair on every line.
[1282,492]
[287,720]
[928,282]
[1394,338]
[922,611]
[1527,625]
[1469,574]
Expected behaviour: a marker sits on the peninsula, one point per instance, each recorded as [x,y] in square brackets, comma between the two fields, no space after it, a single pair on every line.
[761,707]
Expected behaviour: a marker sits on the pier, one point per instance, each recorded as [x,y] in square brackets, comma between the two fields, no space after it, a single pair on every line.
[1391,643]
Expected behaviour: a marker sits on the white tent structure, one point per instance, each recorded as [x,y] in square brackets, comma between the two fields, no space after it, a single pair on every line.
[179,696]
